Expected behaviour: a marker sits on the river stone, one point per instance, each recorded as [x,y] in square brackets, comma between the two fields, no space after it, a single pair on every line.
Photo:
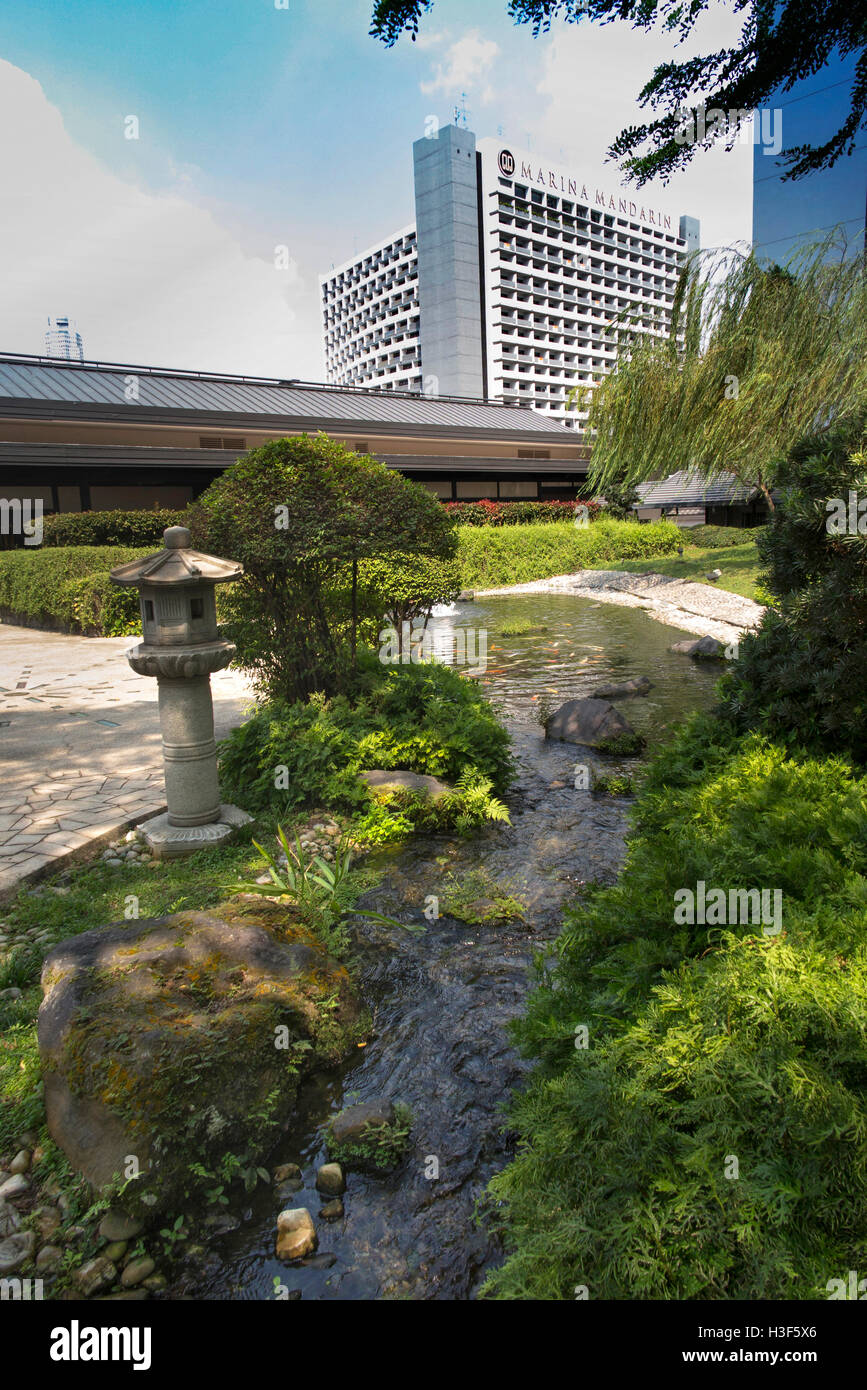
[15,1186]
[708,649]
[701,649]
[640,686]
[48,1258]
[285,1171]
[220,994]
[16,1250]
[21,1162]
[352,1124]
[332,1211]
[137,1271]
[119,1226]
[330,1180]
[381,780]
[95,1275]
[591,722]
[9,1219]
[296,1234]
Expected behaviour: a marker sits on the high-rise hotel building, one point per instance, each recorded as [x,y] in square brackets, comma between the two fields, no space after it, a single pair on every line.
[507,284]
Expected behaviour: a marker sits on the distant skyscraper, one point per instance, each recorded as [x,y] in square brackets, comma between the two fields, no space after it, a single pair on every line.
[62,339]
[793,213]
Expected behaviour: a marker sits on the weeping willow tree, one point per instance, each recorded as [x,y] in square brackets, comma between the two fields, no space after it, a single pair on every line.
[756,358]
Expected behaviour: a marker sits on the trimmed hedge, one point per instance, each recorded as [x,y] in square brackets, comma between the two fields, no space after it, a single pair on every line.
[110,528]
[489,558]
[487,513]
[68,589]
[720,537]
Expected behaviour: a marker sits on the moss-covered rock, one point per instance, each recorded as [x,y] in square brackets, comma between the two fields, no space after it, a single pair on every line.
[172,1042]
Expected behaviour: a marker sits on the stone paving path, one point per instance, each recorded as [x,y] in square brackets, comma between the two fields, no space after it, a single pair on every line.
[698,608]
[80,751]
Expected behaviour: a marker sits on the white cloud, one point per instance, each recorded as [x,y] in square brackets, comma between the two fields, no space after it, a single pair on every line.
[591,80]
[151,277]
[466,67]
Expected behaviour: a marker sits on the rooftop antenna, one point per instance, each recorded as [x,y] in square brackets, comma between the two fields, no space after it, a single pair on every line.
[461,112]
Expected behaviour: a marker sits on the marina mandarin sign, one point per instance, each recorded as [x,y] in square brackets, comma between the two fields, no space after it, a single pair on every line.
[549,179]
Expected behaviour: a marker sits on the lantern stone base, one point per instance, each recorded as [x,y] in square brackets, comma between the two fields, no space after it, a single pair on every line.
[167,841]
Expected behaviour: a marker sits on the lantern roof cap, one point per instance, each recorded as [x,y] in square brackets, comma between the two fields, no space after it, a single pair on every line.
[177,564]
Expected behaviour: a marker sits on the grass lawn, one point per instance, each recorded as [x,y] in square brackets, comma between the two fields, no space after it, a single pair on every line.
[739,564]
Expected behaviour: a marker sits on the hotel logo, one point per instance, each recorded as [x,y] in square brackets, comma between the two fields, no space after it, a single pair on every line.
[506,162]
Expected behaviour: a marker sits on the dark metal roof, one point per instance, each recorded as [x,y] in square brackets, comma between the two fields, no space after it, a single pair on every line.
[45,388]
[686,489]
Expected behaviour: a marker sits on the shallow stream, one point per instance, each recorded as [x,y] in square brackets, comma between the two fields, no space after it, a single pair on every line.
[441,1001]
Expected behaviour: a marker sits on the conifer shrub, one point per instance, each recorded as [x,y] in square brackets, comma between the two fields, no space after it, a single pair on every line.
[707,1142]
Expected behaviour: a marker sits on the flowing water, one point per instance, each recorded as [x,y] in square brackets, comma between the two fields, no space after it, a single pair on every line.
[441,1001]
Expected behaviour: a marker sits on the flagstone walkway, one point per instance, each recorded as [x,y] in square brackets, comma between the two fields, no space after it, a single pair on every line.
[80,751]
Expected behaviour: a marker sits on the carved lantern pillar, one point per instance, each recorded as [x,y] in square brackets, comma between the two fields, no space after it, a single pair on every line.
[181,648]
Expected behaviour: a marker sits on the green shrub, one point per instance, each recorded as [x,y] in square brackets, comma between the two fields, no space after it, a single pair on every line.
[423,718]
[139,528]
[487,513]
[801,676]
[301,515]
[705,1044]
[69,587]
[398,589]
[492,557]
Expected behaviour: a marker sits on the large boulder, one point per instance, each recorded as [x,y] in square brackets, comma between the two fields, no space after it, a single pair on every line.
[595,723]
[179,1039]
[382,782]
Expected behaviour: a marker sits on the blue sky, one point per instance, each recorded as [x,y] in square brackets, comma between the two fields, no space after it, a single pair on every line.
[262,126]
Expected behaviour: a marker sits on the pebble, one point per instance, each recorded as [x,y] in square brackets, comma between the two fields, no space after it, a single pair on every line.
[49,1257]
[288,1188]
[15,1250]
[116,1225]
[286,1171]
[330,1179]
[12,993]
[9,1220]
[116,1251]
[296,1234]
[137,1271]
[21,1162]
[15,1186]
[48,1219]
[96,1274]
[333,1210]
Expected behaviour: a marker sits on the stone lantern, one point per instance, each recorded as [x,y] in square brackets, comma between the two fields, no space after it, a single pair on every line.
[181,648]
